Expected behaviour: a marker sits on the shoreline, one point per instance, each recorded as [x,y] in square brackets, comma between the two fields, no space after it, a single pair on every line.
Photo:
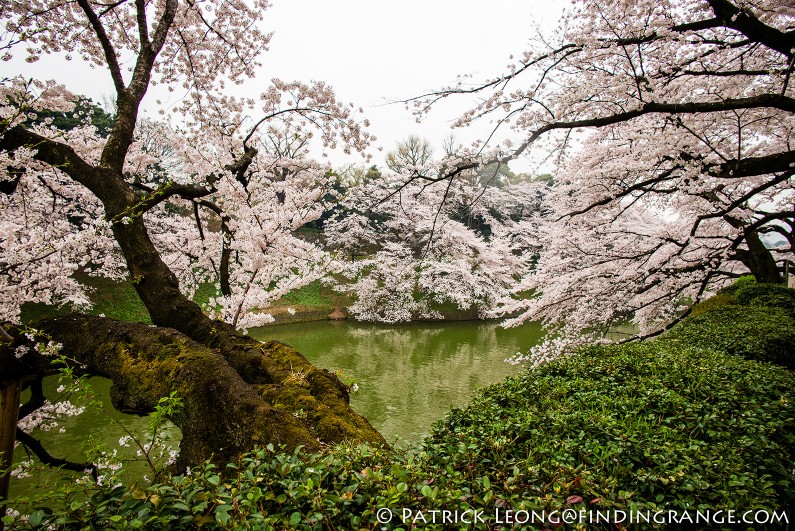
[282,315]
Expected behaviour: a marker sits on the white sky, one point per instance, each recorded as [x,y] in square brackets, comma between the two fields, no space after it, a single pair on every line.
[373,52]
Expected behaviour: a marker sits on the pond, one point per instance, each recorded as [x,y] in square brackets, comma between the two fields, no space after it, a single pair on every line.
[409,375]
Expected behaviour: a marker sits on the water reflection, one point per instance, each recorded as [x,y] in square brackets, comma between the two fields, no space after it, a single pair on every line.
[94,428]
[409,375]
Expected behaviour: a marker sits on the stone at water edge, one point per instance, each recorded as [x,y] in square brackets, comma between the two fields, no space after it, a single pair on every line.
[339,314]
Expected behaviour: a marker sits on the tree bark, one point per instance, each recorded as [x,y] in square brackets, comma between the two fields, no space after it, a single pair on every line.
[156,284]
[237,393]
[758,259]
[9,406]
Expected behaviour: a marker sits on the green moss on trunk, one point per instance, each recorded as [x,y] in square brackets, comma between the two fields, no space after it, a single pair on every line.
[237,392]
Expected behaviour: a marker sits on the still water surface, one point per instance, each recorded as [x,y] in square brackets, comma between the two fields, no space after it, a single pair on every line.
[409,375]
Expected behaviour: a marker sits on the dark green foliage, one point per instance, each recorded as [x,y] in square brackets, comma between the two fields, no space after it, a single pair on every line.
[745,280]
[264,490]
[721,299]
[753,332]
[755,321]
[766,295]
[85,111]
[647,425]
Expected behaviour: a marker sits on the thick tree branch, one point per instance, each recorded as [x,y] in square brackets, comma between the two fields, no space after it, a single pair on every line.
[740,201]
[241,165]
[36,398]
[107,47]
[129,99]
[232,402]
[35,446]
[743,21]
[55,154]
[163,27]
[773,101]
[226,245]
[162,193]
[752,166]
[143,30]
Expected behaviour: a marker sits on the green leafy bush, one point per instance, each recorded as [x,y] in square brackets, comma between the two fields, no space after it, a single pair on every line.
[745,280]
[654,425]
[767,295]
[721,299]
[339,489]
[757,322]
[753,332]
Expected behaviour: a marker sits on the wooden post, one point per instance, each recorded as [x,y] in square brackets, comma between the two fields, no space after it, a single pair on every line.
[9,409]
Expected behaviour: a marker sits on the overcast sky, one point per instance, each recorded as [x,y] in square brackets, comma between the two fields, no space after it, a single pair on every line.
[374,52]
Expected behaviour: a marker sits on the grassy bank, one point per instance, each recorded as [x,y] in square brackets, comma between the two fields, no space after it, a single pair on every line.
[312,302]
[119,300]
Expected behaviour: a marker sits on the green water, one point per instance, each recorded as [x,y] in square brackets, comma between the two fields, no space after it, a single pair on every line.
[94,428]
[409,375]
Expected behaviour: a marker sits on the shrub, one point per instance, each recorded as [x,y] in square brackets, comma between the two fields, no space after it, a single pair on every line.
[739,283]
[769,295]
[648,426]
[753,332]
[757,322]
[721,299]
[655,425]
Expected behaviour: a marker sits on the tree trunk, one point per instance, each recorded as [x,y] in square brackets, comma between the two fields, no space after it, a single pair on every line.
[238,393]
[155,283]
[9,406]
[760,261]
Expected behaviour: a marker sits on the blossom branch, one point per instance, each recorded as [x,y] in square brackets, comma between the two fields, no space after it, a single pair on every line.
[111,59]
[743,21]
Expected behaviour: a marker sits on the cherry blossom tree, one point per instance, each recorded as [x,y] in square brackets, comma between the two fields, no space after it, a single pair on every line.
[261,256]
[672,127]
[164,207]
[432,244]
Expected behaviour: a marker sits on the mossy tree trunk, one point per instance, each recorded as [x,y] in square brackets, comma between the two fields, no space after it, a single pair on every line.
[238,393]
